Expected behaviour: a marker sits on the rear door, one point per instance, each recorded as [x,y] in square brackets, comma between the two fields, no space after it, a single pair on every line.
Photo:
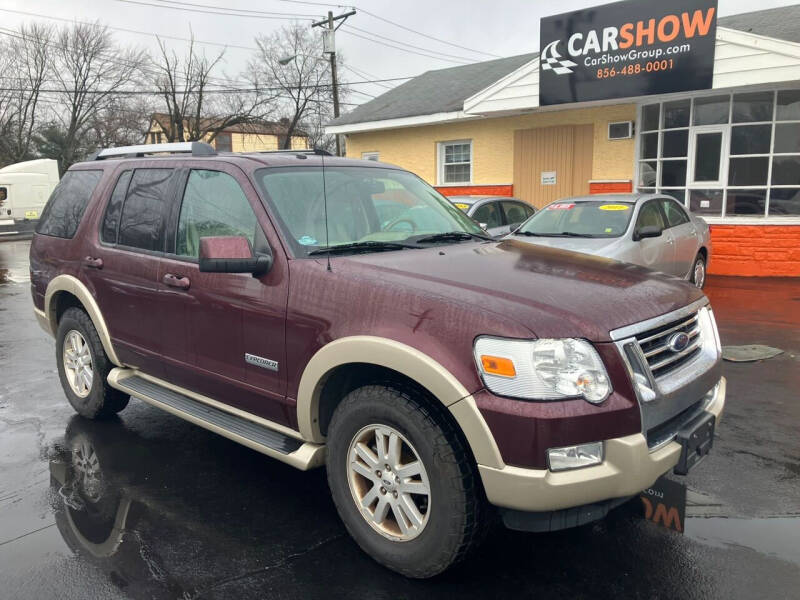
[213,320]
[122,262]
[656,253]
[684,235]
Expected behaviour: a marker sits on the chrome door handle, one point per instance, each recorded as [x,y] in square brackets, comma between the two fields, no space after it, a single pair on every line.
[182,283]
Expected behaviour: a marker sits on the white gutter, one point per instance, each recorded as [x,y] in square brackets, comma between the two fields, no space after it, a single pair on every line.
[416,121]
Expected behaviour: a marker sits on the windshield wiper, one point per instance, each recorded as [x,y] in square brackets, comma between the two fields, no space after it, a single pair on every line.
[575,234]
[368,246]
[448,236]
[529,233]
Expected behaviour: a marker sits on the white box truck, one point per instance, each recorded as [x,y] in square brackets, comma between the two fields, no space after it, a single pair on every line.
[24,190]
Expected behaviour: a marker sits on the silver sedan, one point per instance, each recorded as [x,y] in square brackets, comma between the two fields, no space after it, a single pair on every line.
[496,214]
[650,230]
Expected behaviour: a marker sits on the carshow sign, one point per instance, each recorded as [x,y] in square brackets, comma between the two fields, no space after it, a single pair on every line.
[627,49]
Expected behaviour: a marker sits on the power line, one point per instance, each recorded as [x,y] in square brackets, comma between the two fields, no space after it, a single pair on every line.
[238,10]
[382,43]
[217,12]
[388,39]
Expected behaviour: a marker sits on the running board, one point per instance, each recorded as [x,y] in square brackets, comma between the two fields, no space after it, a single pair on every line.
[234,424]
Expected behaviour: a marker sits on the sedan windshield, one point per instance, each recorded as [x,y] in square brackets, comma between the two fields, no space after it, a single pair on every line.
[595,218]
[369,209]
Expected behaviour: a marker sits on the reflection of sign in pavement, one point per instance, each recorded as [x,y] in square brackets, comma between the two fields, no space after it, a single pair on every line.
[627,49]
[665,504]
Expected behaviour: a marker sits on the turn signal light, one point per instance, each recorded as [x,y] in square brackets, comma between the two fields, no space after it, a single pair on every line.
[497,365]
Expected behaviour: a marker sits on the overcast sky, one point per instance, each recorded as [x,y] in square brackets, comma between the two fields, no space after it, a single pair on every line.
[482,28]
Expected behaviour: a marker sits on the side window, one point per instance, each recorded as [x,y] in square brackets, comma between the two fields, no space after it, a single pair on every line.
[64,210]
[108,232]
[675,214]
[489,214]
[515,213]
[145,210]
[529,210]
[213,205]
[650,215]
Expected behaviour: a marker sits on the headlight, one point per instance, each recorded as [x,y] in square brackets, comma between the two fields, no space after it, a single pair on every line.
[543,369]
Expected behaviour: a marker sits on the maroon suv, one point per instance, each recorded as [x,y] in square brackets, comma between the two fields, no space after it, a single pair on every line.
[330,311]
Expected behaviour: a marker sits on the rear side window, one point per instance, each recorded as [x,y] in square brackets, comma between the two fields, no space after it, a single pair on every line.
[108,232]
[145,210]
[675,214]
[515,213]
[64,210]
[489,214]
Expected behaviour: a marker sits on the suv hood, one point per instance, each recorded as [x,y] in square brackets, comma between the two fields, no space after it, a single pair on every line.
[552,292]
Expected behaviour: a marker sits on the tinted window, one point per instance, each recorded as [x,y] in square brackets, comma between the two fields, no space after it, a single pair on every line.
[108,232]
[515,212]
[489,214]
[213,205]
[64,210]
[649,216]
[145,210]
[675,214]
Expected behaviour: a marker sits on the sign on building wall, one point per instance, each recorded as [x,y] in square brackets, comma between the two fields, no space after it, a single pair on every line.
[625,49]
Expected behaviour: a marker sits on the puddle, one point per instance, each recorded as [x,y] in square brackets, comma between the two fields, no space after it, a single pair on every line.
[778,537]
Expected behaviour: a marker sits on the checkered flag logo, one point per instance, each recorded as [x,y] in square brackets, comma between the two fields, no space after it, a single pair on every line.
[551,60]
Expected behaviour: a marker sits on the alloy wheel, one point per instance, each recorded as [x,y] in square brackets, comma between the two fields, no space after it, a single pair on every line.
[699,273]
[388,482]
[78,365]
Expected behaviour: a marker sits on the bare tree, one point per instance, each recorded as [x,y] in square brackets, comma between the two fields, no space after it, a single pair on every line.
[195,110]
[124,122]
[290,62]
[25,58]
[91,73]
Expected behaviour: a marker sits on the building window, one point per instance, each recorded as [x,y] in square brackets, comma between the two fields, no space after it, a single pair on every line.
[370,156]
[455,162]
[724,155]
[155,137]
[223,142]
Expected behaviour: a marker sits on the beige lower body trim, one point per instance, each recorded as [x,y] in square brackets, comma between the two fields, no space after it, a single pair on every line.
[308,456]
[44,322]
[628,468]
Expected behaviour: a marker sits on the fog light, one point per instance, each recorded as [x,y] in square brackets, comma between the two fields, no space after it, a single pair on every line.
[575,457]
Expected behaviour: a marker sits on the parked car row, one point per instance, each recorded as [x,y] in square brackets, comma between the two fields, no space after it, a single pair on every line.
[650,230]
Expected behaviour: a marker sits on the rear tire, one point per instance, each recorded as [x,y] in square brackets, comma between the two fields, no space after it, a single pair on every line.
[449,503]
[83,368]
[699,271]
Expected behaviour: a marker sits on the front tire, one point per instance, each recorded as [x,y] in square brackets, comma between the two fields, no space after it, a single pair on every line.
[699,271]
[83,368]
[403,480]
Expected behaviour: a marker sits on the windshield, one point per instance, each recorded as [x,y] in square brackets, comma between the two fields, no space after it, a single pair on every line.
[366,206]
[585,219]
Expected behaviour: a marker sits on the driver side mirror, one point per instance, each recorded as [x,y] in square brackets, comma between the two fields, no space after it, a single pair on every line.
[229,254]
[648,231]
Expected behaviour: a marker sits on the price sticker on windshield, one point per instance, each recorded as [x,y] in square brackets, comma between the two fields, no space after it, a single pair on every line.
[614,207]
[561,206]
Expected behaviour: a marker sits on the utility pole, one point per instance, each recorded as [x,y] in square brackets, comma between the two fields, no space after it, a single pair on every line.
[329,48]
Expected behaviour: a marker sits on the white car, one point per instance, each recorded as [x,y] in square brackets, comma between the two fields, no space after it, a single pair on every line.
[650,230]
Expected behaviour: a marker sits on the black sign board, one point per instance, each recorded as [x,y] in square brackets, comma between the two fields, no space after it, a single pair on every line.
[626,49]
[665,504]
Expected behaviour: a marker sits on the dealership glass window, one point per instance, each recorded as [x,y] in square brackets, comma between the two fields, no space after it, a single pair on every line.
[455,162]
[743,152]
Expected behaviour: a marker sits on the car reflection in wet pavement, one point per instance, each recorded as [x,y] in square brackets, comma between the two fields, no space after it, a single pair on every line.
[149,506]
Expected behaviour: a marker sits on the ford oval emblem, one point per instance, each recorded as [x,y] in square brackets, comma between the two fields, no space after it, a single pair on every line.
[678,342]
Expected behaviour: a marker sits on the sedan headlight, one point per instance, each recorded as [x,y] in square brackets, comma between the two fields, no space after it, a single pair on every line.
[546,369]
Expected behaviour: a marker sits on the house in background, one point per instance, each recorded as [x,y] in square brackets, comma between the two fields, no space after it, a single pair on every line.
[250,137]
[730,153]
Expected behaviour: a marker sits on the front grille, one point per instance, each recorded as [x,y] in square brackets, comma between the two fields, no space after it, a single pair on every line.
[660,357]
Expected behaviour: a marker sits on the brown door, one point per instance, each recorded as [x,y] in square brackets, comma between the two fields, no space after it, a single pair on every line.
[552,163]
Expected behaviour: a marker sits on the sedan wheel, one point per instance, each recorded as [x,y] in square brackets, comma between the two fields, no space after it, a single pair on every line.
[699,272]
[388,482]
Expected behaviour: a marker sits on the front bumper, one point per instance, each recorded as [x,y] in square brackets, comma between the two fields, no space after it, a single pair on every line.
[628,468]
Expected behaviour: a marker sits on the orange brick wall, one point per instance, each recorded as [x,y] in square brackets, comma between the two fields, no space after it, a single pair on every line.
[476,190]
[755,250]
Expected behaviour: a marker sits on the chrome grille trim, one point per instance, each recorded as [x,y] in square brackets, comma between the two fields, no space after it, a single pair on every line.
[675,357]
[668,331]
[692,334]
[637,328]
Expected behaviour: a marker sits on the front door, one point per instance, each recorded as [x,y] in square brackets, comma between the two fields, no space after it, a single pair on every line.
[657,253]
[551,163]
[212,320]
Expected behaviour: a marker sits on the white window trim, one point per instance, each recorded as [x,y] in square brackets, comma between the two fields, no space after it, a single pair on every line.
[370,155]
[727,219]
[440,163]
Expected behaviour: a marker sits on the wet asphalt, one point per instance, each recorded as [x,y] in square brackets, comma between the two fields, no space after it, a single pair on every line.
[169,510]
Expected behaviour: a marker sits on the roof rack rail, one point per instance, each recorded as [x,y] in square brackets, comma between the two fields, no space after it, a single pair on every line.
[195,148]
[317,151]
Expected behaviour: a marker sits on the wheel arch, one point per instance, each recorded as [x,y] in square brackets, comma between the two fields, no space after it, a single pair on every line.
[65,291]
[361,352]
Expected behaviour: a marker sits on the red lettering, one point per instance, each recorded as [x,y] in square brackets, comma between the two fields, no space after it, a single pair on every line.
[648,31]
[626,35]
[670,517]
[673,20]
[697,25]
